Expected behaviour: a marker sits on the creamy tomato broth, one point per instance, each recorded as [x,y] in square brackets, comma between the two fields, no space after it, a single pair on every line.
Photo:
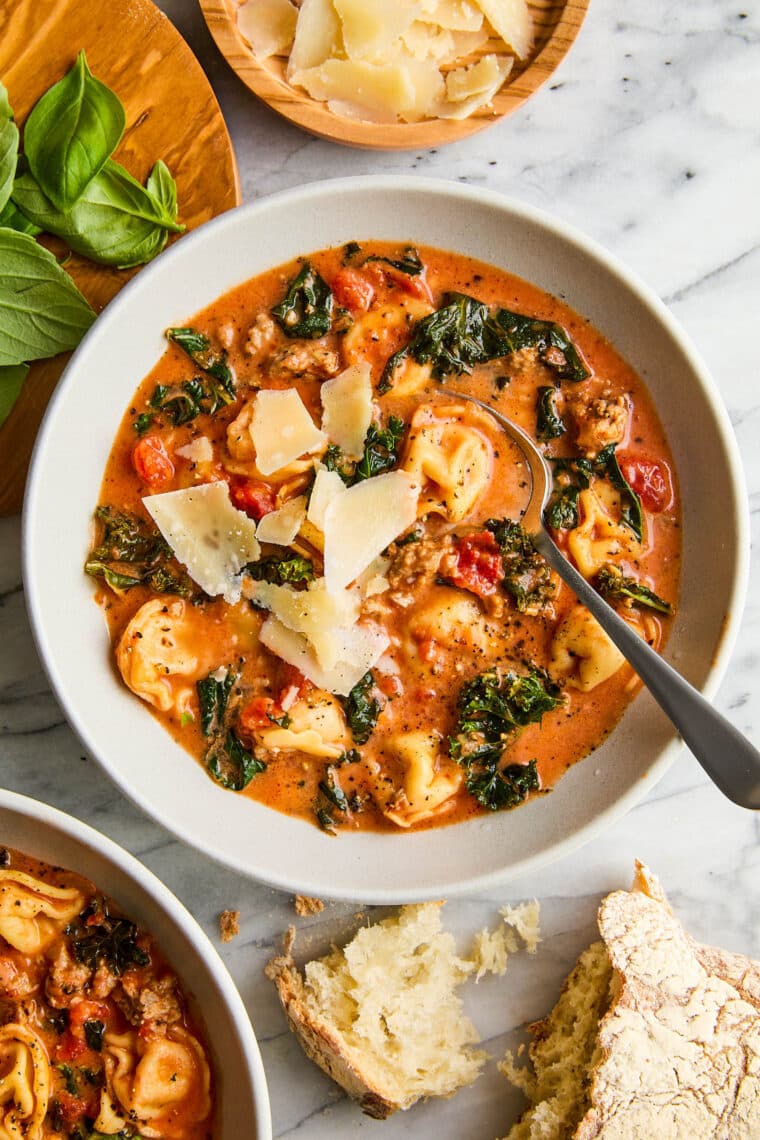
[95,1034]
[339,614]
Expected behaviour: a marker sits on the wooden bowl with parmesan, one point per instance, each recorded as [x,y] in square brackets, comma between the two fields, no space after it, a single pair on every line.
[394,74]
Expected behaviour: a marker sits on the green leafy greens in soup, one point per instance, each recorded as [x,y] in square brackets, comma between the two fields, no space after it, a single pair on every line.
[310,553]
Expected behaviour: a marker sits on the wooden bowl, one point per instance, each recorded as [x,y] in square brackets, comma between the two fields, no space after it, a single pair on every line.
[171,114]
[556,24]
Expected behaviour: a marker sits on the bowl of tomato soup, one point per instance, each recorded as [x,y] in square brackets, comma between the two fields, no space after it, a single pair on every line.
[310,633]
[119,1011]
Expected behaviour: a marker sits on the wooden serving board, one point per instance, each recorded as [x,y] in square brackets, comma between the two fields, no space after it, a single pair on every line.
[172,114]
[556,23]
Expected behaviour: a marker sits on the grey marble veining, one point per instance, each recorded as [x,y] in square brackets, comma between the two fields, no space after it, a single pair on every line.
[648,139]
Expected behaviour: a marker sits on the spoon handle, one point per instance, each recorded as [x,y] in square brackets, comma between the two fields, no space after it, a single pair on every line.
[725,754]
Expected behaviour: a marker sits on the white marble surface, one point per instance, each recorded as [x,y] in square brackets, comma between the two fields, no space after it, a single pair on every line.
[647,139]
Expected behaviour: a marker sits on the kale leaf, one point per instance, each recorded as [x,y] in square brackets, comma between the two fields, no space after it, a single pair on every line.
[228,760]
[129,541]
[362,709]
[101,938]
[306,309]
[221,383]
[549,423]
[410,263]
[381,448]
[491,711]
[93,1034]
[281,570]
[562,512]
[614,585]
[527,577]
[463,332]
[555,349]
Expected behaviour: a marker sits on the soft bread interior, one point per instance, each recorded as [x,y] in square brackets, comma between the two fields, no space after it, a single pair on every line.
[382,1016]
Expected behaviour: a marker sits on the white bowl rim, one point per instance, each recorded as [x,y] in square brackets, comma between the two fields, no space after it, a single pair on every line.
[178,913]
[299,198]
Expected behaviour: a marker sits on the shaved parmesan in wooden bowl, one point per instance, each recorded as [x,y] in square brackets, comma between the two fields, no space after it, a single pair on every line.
[392,74]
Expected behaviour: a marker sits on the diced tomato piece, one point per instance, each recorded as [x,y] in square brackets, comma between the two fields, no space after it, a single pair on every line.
[479,567]
[85,1010]
[414,285]
[151,461]
[258,714]
[293,686]
[254,498]
[353,289]
[650,479]
[70,1047]
[73,1108]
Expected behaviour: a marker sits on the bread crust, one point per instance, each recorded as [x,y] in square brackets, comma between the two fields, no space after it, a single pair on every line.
[320,1043]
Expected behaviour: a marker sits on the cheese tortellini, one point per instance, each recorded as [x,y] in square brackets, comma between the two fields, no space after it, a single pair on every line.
[427,786]
[32,912]
[162,1084]
[316,726]
[599,537]
[24,1083]
[158,644]
[450,458]
[582,654]
[386,327]
[451,620]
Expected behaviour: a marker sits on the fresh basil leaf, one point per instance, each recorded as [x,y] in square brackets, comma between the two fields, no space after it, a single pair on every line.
[42,312]
[71,132]
[115,221]
[163,189]
[8,147]
[12,376]
[11,218]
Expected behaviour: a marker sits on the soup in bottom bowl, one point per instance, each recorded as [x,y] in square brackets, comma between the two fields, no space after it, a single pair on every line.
[308,544]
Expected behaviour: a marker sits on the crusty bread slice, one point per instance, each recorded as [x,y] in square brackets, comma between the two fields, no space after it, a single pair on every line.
[382,1016]
[654,1036]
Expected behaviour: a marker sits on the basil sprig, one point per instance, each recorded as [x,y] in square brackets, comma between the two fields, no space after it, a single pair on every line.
[71,132]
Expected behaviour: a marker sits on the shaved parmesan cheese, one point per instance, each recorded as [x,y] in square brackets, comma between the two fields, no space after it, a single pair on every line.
[363,521]
[474,86]
[511,20]
[368,647]
[268,25]
[282,526]
[370,26]
[197,450]
[428,90]
[347,408]
[317,36]
[381,89]
[458,15]
[325,620]
[327,485]
[282,430]
[211,538]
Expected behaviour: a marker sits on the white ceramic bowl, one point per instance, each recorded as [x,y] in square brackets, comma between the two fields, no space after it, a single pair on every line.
[76,437]
[48,834]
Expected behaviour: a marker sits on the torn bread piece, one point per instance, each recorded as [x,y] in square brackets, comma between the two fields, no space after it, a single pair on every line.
[491,948]
[654,1035]
[358,1011]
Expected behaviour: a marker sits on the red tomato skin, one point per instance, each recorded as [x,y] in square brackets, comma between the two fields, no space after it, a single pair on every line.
[650,479]
[151,461]
[353,290]
[252,497]
[479,567]
[258,714]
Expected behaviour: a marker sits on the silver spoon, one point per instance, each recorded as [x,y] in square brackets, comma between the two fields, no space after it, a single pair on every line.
[726,755]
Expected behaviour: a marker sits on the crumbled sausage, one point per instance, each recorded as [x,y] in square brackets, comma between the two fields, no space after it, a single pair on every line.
[261,335]
[310,359]
[599,422]
[66,979]
[415,565]
[155,1000]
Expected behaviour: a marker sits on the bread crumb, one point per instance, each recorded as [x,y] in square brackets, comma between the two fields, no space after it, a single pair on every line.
[229,924]
[490,949]
[306,905]
[524,918]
